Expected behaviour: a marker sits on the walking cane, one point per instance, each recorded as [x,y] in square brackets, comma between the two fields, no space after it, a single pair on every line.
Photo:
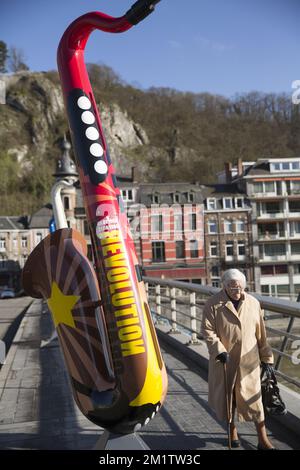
[227,406]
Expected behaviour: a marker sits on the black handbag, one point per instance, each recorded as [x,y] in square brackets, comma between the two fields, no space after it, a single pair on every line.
[272,401]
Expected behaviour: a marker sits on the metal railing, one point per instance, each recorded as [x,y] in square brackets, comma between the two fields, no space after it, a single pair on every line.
[180,304]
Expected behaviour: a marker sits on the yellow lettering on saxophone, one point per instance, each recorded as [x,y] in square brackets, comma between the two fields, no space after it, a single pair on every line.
[115,261]
[111,249]
[120,286]
[127,311]
[133,347]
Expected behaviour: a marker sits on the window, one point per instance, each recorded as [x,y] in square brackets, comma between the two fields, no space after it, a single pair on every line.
[212,226]
[296,268]
[215,282]
[265,290]
[191,197]
[272,207]
[227,203]
[127,194]
[286,165]
[211,204]
[86,228]
[156,223]
[213,248]
[295,165]
[24,242]
[66,203]
[2,242]
[283,289]
[192,221]
[158,252]
[240,226]
[272,270]
[194,249]
[276,166]
[278,188]
[215,271]
[155,198]
[258,187]
[294,206]
[178,222]
[280,269]
[241,249]
[264,187]
[229,248]
[180,252]
[39,237]
[176,197]
[296,187]
[239,202]
[276,249]
[228,226]
[267,270]
[269,187]
[294,228]
[295,248]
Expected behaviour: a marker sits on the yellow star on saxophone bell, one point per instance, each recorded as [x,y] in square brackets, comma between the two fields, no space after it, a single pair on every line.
[61,306]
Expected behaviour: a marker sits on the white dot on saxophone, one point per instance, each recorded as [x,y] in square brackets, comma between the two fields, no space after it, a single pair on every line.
[157,408]
[137,427]
[87,117]
[84,103]
[100,167]
[146,421]
[96,150]
[153,414]
[92,133]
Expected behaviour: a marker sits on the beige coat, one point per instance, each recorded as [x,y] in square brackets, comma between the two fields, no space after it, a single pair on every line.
[242,334]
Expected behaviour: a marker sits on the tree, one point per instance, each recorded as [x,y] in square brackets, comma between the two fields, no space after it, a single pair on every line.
[3,56]
[17,60]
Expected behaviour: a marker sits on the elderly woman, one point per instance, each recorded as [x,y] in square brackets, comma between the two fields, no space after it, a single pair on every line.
[235,334]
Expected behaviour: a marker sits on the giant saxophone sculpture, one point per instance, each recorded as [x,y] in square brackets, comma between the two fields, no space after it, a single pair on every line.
[101,315]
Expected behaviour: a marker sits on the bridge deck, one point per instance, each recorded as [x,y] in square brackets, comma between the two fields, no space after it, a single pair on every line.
[37,411]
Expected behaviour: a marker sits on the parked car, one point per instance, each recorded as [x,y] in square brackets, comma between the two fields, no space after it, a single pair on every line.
[7,294]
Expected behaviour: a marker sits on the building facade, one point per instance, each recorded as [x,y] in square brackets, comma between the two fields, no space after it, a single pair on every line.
[273,187]
[228,234]
[170,237]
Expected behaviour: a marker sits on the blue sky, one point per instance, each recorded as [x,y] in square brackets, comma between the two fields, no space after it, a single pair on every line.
[219,46]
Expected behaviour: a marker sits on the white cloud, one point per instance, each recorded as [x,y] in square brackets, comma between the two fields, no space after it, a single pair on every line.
[175,44]
[206,43]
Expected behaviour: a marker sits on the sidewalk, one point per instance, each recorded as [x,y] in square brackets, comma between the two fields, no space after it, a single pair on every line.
[37,410]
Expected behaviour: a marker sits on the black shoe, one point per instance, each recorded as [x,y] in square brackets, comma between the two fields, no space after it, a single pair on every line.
[235,443]
[260,447]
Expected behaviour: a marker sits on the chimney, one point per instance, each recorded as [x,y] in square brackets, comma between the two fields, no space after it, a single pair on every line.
[228,170]
[240,167]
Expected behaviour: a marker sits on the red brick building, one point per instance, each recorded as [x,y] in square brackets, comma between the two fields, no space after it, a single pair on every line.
[167,224]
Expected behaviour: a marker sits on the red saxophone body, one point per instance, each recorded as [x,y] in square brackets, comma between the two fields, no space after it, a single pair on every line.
[106,332]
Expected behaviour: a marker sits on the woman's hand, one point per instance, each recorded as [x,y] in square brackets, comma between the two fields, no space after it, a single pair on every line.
[267,368]
[223,357]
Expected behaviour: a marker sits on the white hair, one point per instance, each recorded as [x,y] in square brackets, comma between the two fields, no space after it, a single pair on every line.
[234,274]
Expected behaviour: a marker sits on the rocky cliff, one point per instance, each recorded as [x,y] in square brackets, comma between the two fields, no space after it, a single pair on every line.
[33,120]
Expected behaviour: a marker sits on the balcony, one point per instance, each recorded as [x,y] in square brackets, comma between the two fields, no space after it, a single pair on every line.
[291,215]
[272,236]
[263,258]
[272,215]
[265,195]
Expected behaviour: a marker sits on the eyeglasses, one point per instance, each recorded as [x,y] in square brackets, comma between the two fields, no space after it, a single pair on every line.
[235,289]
